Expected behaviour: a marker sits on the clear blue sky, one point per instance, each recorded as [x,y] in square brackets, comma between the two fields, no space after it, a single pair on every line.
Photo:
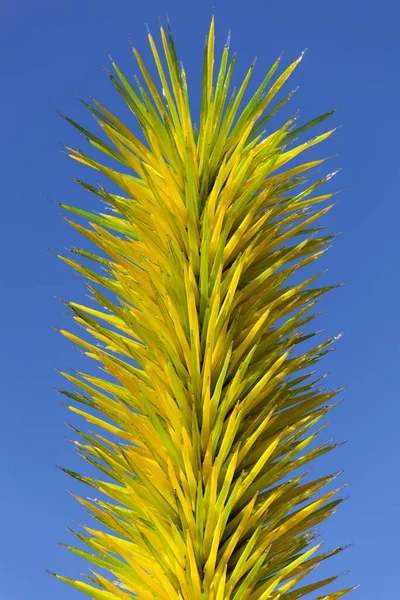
[51,49]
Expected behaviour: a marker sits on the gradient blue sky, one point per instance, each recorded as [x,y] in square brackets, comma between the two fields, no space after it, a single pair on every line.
[51,49]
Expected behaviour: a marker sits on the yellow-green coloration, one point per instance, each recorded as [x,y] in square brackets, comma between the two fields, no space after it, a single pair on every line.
[205,495]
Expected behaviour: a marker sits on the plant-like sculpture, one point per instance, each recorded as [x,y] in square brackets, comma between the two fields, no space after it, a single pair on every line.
[207,411]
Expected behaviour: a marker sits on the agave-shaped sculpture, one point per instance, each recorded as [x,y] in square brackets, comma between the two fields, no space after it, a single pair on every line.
[207,407]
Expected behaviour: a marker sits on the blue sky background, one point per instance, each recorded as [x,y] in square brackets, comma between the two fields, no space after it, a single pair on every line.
[51,49]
